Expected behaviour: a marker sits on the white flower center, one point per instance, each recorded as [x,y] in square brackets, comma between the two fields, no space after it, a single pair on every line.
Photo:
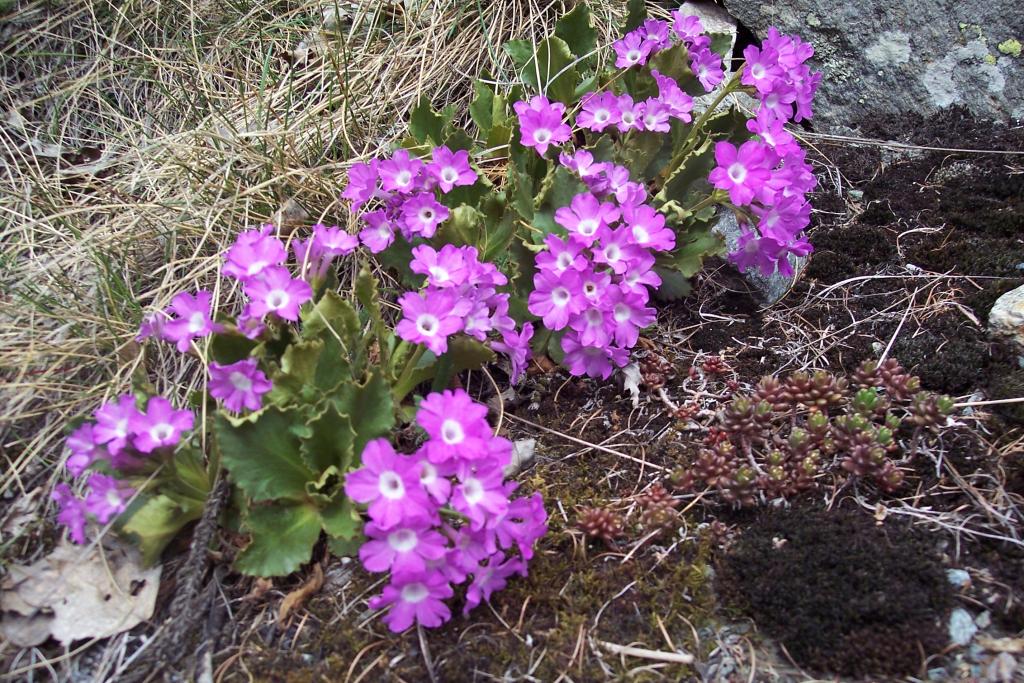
[277,299]
[594,317]
[255,267]
[602,115]
[196,322]
[121,428]
[628,118]
[737,172]
[403,540]
[240,381]
[161,432]
[564,260]
[589,289]
[439,274]
[640,234]
[633,56]
[771,101]
[612,253]
[113,498]
[560,296]
[622,313]
[449,175]
[414,592]
[473,491]
[427,325]
[403,178]
[451,432]
[541,135]
[428,473]
[757,71]
[426,215]
[390,485]
[587,227]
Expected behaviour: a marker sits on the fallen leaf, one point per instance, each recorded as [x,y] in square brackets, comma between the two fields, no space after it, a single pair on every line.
[522,455]
[297,597]
[1001,669]
[631,380]
[290,215]
[22,512]
[75,593]
[259,588]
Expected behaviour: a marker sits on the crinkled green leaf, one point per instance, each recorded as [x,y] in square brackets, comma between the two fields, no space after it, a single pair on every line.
[371,409]
[481,109]
[675,63]
[691,250]
[330,441]
[426,125]
[466,354]
[499,227]
[462,227]
[636,12]
[229,348]
[282,538]
[345,547]
[332,315]
[688,185]
[262,456]
[153,521]
[646,153]
[674,285]
[340,518]
[577,30]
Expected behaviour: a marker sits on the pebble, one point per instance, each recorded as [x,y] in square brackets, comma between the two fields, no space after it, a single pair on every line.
[961,627]
[958,577]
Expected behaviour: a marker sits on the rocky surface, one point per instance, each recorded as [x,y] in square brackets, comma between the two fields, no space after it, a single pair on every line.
[1006,319]
[882,59]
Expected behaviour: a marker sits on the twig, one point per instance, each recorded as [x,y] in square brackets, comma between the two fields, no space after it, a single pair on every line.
[644,653]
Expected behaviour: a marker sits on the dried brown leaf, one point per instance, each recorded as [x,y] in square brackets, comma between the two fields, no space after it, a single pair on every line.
[298,597]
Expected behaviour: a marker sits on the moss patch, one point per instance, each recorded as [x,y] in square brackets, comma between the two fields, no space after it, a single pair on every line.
[841,594]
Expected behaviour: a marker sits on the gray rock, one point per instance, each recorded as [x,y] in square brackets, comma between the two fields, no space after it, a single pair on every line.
[772,287]
[1006,319]
[961,627]
[885,58]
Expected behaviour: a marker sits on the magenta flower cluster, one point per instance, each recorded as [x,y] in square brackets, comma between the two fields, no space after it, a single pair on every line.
[122,436]
[443,515]
[593,283]
[770,175]
[654,35]
[461,292]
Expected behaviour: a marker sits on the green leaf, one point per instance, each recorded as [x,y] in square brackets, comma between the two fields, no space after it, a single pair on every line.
[301,359]
[368,296]
[425,124]
[674,62]
[153,521]
[332,315]
[462,227]
[330,442]
[370,408]
[481,109]
[636,12]
[340,518]
[227,348]
[674,285]
[499,227]
[466,354]
[549,70]
[262,456]
[577,30]
[558,188]
[397,257]
[646,153]
[688,184]
[345,547]
[690,252]
[282,539]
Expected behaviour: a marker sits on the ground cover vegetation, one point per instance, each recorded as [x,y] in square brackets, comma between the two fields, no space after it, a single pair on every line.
[523,256]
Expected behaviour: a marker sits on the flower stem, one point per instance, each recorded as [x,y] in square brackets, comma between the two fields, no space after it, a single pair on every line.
[400,389]
[694,135]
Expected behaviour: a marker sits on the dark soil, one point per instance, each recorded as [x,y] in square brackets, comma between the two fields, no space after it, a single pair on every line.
[840,593]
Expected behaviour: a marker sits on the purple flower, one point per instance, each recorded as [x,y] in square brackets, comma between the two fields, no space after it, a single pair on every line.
[656,115]
[160,426]
[517,348]
[593,285]
[687,26]
[193,319]
[362,184]
[631,50]
[249,324]
[107,497]
[742,172]
[239,385]
[599,111]
[540,123]
[707,67]
[640,276]
[450,169]
[152,326]
[72,512]
[523,524]
[489,578]
[672,96]
[554,297]
[334,241]
[616,249]
[443,269]
[275,291]
[481,497]
[114,421]
[83,447]
[592,326]
[415,598]
[433,480]
[431,318]
[379,233]
[585,216]
[754,251]
[561,255]
[582,163]
[400,173]
[772,132]
[628,316]
[253,251]
[761,68]
[421,214]
[390,484]
[647,228]
[594,361]
[456,424]
[404,549]
[631,114]
[655,33]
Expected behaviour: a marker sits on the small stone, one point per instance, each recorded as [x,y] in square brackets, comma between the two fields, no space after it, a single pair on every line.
[858,195]
[961,627]
[983,620]
[958,577]
[771,287]
[813,20]
[1006,319]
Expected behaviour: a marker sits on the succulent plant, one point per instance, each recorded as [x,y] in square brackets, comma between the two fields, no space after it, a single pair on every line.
[601,523]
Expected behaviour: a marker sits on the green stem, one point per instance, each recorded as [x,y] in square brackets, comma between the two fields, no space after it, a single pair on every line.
[694,135]
[401,389]
[713,198]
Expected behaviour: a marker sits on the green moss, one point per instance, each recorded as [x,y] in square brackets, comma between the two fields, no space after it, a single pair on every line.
[1011,47]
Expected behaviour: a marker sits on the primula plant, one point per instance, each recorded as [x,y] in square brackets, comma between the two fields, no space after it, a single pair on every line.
[595,191]
[547,227]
